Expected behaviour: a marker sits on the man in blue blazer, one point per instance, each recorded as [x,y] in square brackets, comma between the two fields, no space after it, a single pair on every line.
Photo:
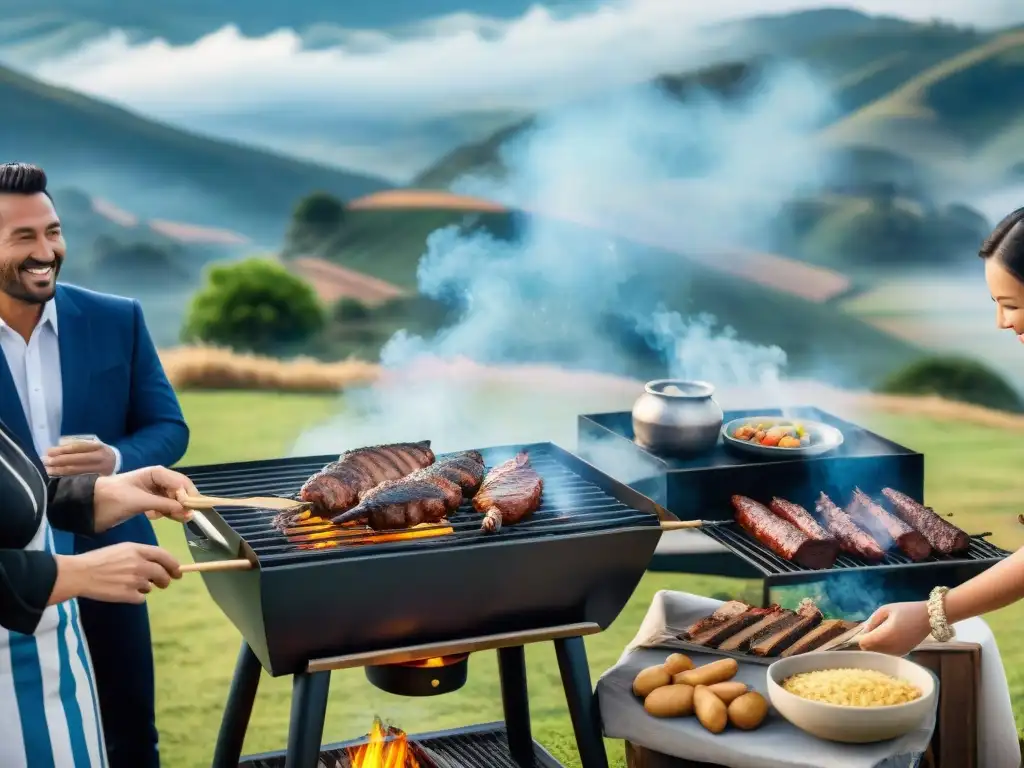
[74,362]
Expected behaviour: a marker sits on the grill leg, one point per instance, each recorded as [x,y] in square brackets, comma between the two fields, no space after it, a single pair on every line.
[309,710]
[579,694]
[235,722]
[516,702]
[766,593]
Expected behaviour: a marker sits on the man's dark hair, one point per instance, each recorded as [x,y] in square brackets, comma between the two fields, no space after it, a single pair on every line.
[1006,244]
[22,179]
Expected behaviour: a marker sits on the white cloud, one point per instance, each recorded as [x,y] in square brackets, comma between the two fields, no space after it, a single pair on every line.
[458,62]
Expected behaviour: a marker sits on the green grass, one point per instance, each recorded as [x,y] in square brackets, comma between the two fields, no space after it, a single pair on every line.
[971,470]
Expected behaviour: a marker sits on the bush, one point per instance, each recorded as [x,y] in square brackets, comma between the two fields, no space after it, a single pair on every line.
[347,309]
[254,305]
[316,218]
[955,378]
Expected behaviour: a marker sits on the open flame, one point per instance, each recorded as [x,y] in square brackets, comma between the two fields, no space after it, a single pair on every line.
[385,747]
[311,532]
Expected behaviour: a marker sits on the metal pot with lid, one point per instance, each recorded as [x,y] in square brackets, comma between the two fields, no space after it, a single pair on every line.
[677,417]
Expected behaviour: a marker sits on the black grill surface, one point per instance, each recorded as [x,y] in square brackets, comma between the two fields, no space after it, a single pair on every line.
[483,746]
[571,504]
[767,562]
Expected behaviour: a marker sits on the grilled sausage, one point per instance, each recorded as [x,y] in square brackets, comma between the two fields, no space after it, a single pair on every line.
[782,537]
[944,537]
[852,539]
[803,520]
[887,528]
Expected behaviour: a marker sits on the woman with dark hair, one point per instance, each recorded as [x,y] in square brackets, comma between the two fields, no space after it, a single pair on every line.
[898,628]
[50,717]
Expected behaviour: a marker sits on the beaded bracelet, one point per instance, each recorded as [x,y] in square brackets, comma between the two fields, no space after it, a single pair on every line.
[942,632]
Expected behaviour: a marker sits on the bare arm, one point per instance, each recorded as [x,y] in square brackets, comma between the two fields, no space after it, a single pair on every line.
[996,588]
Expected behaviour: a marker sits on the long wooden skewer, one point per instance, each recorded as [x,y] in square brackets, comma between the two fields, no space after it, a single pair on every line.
[680,525]
[260,502]
[217,565]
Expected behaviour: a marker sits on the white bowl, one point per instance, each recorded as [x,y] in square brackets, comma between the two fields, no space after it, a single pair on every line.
[852,725]
[824,438]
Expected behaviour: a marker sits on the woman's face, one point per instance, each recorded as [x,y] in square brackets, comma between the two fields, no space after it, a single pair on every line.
[1008,294]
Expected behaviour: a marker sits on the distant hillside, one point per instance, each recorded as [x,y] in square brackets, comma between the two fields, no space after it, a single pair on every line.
[156,171]
[956,114]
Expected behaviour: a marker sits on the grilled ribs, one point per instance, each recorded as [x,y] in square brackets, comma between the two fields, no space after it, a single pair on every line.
[887,528]
[338,486]
[827,630]
[778,640]
[944,537]
[852,539]
[509,493]
[782,537]
[774,619]
[412,500]
[726,611]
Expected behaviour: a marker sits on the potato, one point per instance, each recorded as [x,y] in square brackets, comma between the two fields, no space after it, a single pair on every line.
[711,712]
[649,679]
[708,674]
[670,701]
[748,711]
[677,663]
[727,692]
[789,442]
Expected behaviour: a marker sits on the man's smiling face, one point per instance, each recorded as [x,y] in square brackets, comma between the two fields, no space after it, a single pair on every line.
[31,247]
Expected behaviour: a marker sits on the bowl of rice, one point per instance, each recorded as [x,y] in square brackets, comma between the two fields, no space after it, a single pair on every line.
[855,697]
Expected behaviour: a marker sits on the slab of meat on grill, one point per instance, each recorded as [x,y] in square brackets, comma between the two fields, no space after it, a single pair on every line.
[827,630]
[509,493]
[944,537]
[774,618]
[782,537]
[778,640]
[403,504]
[887,528]
[725,612]
[804,521]
[337,487]
[852,538]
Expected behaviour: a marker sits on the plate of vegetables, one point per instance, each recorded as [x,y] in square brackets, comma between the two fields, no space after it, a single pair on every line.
[776,436]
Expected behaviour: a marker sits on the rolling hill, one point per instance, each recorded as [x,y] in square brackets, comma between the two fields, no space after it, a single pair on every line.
[155,171]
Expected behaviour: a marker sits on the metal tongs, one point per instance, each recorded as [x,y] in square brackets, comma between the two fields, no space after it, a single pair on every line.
[848,642]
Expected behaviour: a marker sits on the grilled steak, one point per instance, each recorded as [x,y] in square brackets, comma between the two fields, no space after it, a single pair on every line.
[782,537]
[804,521]
[337,487]
[852,539]
[714,635]
[887,528]
[509,493]
[944,537]
[780,639]
[457,475]
[827,630]
[726,611]
[402,504]
[775,618]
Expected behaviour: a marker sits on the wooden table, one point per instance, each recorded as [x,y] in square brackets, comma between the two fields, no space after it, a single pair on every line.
[955,741]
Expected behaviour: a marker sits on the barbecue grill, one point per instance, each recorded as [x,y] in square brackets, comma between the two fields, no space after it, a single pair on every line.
[312,605]
[701,488]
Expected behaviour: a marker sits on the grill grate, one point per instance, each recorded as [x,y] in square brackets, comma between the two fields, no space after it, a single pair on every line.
[571,504]
[732,536]
[476,747]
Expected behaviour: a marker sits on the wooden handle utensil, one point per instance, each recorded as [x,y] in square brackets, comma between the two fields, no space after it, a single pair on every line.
[260,502]
[680,525]
[217,565]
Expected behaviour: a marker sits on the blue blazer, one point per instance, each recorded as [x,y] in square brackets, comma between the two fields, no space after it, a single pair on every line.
[114,387]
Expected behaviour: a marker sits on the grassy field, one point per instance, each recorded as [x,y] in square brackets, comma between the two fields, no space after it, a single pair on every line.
[972,470]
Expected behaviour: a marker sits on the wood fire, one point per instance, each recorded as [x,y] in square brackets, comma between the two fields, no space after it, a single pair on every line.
[311,532]
[385,747]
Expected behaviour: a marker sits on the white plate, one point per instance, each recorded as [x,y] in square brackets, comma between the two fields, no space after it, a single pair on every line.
[824,437]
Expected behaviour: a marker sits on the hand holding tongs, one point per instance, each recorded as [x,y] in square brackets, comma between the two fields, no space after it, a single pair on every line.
[849,642]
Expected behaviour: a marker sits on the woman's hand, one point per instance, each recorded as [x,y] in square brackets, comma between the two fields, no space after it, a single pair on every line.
[151,490]
[120,573]
[896,629]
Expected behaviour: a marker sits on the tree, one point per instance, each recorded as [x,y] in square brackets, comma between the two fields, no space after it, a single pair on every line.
[254,305]
[317,217]
[955,378]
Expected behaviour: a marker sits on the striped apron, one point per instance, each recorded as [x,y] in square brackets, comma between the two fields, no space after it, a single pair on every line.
[50,716]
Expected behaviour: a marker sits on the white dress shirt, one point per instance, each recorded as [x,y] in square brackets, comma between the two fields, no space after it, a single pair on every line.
[35,368]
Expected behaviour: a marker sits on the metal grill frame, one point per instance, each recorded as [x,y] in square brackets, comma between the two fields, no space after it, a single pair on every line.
[323,605]
[572,503]
[477,746]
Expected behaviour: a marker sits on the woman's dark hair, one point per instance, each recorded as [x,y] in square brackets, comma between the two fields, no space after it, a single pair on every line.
[1006,244]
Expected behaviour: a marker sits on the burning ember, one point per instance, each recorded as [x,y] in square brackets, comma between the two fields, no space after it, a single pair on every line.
[436,661]
[310,532]
[386,747]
